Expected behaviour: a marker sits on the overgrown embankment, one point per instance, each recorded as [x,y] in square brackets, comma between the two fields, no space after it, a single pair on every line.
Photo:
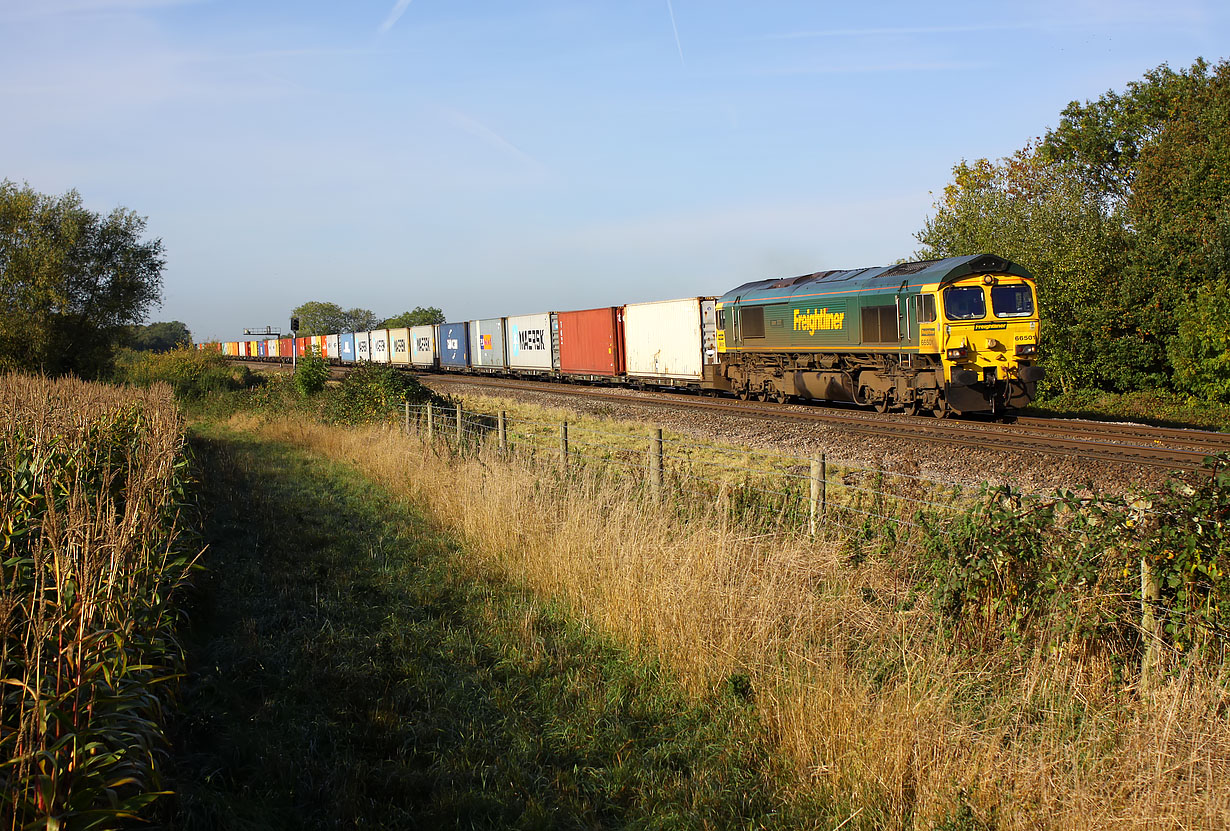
[892,708]
[353,665]
[92,550]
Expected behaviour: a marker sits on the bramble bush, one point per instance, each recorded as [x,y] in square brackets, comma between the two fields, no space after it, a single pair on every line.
[373,392]
[1068,567]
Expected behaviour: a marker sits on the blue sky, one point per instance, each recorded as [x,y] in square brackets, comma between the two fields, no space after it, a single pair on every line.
[511,157]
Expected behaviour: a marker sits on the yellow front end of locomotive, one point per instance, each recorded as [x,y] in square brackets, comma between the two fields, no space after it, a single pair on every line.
[987,333]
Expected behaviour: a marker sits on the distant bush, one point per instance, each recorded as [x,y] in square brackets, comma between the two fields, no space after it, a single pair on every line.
[373,392]
[311,374]
[191,373]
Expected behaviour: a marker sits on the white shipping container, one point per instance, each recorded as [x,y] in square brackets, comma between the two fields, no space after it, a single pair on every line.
[670,339]
[331,347]
[362,351]
[529,343]
[379,340]
[399,346]
[423,345]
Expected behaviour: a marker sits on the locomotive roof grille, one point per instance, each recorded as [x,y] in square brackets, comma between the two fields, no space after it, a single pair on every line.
[876,279]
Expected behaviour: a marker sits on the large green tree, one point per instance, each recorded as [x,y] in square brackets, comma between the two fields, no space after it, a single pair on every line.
[72,281]
[419,316]
[317,318]
[1123,212]
[162,336]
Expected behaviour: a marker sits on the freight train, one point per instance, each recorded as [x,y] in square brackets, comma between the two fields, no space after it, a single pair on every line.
[951,336]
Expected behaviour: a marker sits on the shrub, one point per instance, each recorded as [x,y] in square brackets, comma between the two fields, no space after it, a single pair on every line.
[311,372]
[192,373]
[373,392]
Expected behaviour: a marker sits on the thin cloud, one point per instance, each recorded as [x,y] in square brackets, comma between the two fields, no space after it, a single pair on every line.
[399,8]
[675,29]
[889,31]
[490,137]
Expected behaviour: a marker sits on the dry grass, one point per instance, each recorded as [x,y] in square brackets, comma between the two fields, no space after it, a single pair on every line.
[855,684]
[89,483]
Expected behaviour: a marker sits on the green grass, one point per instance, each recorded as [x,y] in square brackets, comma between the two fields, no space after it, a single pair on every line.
[350,666]
[1157,407]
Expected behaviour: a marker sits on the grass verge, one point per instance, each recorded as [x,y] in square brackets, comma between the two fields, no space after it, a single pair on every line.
[352,666]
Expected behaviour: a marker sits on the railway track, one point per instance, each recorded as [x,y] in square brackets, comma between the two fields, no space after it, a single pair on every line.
[1128,444]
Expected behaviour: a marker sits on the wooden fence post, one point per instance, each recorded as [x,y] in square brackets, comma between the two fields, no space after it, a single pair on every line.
[430,424]
[502,422]
[1150,625]
[459,427]
[406,424]
[817,478]
[563,445]
[655,465]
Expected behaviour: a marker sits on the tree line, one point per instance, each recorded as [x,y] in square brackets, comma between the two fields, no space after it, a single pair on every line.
[320,318]
[1122,212]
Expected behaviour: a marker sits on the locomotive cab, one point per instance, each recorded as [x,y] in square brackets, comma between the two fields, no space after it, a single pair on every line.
[987,338]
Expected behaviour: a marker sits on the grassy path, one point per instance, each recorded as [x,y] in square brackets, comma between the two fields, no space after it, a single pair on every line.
[351,668]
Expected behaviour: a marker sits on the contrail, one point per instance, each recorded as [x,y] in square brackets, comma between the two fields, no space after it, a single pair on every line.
[399,8]
[678,45]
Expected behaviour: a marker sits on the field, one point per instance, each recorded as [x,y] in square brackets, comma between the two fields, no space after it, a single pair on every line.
[93,499]
[879,713]
[392,629]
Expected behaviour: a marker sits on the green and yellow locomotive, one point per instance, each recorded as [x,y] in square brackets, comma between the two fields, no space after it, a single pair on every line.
[958,335]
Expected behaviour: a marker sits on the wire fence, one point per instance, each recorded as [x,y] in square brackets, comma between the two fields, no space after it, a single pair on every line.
[813,494]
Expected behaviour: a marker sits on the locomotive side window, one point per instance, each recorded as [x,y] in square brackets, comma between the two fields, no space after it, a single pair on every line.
[965,303]
[752,318]
[926,308]
[721,318]
[1012,301]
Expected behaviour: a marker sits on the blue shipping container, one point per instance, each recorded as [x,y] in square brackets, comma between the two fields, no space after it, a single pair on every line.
[453,341]
[345,346]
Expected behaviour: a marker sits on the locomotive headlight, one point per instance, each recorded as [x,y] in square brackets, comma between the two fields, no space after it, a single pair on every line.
[958,353]
[1027,349]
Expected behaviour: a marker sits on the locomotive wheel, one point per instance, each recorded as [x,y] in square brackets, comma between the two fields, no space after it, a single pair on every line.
[881,405]
[744,393]
[912,408]
[762,394]
[780,396]
[941,410]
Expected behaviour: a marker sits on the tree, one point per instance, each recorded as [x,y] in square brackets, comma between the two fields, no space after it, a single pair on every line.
[418,317]
[161,337]
[1123,213]
[358,320]
[72,282]
[1040,215]
[317,318]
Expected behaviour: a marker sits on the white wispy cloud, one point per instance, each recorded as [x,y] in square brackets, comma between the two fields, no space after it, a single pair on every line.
[471,125]
[675,29]
[399,8]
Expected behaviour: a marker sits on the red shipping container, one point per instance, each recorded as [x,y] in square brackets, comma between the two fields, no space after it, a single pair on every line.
[285,347]
[302,346]
[591,342]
